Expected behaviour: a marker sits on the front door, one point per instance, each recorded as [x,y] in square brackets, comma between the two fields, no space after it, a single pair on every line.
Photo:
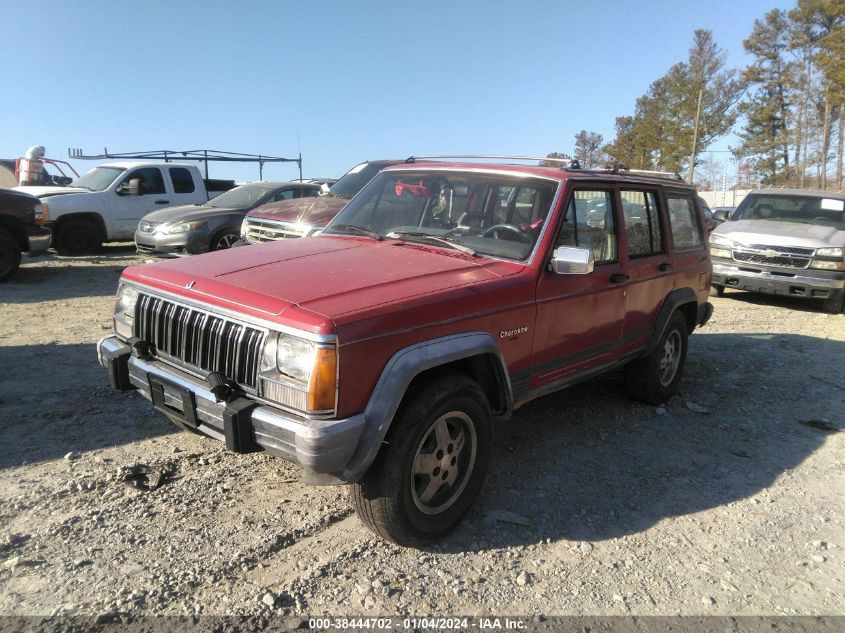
[580,317]
[128,209]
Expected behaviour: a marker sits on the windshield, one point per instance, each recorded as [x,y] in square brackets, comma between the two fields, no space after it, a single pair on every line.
[489,214]
[354,180]
[793,208]
[241,197]
[98,179]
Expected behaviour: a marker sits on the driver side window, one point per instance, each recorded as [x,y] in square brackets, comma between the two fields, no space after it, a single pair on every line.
[151,180]
[589,224]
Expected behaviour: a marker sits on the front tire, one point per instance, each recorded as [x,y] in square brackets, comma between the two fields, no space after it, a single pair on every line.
[717,290]
[655,378]
[432,465]
[224,240]
[78,237]
[10,254]
[834,304]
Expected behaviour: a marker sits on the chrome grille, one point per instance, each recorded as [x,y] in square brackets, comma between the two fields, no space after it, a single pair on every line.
[270,230]
[781,256]
[205,341]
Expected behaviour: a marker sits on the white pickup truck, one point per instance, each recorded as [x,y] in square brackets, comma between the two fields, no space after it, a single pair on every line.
[106,203]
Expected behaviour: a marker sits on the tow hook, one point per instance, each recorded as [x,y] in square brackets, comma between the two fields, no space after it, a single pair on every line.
[224,389]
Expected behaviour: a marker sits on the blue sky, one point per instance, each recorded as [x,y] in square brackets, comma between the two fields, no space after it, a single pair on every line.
[343,81]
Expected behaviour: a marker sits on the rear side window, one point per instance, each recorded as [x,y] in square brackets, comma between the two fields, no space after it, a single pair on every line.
[182,181]
[589,224]
[642,223]
[686,234]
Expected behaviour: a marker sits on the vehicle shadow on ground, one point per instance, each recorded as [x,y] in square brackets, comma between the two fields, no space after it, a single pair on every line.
[588,464]
[56,399]
[66,277]
[790,303]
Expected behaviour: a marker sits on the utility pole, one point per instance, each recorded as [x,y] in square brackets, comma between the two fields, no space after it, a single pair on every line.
[695,138]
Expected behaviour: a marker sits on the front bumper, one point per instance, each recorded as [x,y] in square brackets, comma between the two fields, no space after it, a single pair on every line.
[187,243]
[320,447]
[809,283]
[38,238]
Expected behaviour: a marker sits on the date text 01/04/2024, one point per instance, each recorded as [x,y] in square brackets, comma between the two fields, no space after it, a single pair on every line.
[421,623]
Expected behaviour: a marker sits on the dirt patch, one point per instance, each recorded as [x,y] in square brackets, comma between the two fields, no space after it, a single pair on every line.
[727,500]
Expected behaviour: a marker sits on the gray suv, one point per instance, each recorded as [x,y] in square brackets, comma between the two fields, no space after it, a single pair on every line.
[784,242]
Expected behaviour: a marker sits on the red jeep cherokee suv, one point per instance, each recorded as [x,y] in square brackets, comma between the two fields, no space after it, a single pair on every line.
[443,296]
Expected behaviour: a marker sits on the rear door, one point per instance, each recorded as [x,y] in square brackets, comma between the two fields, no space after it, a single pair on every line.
[183,187]
[646,261]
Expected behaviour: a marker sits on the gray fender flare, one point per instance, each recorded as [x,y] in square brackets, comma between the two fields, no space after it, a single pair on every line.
[395,379]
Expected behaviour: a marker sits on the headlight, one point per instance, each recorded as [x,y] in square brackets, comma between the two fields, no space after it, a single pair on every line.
[295,357]
[244,226]
[720,246]
[124,310]
[181,227]
[720,240]
[300,373]
[45,213]
[831,259]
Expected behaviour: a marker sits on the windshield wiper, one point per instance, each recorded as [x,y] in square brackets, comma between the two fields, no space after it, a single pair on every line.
[431,238]
[351,228]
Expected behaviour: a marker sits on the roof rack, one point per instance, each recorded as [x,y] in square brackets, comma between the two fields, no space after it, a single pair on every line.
[203,155]
[570,163]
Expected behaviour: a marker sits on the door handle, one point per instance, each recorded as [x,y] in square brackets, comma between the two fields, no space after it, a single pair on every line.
[618,278]
[665,266]
[162,201]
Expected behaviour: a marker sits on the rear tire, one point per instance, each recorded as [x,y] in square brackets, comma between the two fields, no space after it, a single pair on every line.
[654,379]
[78,237]
[432,465]
[10,254]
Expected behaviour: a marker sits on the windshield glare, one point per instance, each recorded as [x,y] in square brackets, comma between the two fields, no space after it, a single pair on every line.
[497,215]
[793,208]
[241,197]
[98,179]
[354,180]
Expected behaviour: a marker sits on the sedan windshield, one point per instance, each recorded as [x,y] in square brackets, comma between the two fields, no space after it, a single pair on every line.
[242,197]
[793,208]
[354,180]
[482,214]
[98,179]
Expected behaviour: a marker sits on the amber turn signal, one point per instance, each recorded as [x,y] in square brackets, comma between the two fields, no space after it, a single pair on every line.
[322,389]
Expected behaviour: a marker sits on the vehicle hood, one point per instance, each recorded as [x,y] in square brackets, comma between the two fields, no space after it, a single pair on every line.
[189,212]
[48,192]
[316,283]
[777,233]
[313,211]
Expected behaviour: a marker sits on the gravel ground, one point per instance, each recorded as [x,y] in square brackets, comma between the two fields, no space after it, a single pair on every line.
[727,500]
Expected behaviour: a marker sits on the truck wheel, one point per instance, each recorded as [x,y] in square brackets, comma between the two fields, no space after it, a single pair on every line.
[78,237]
[223,240]
[654,379]
[834,304]
[10,254]
[431,466]
[717,291]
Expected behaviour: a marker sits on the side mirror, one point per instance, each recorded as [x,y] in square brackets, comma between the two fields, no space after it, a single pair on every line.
[134,188]
[722,216]
[572,261]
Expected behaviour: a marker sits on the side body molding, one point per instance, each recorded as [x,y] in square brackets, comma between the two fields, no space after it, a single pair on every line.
[402,368]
